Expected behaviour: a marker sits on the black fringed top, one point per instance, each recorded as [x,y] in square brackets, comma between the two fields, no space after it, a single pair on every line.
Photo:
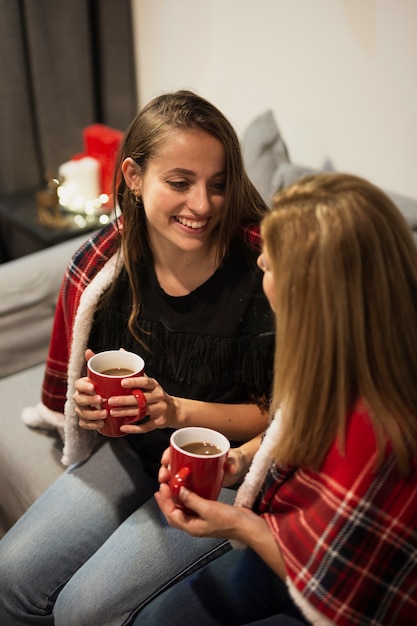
[215,344]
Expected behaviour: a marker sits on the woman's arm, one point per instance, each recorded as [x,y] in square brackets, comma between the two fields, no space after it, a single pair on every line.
[236,421]
[239,461]
[216,519]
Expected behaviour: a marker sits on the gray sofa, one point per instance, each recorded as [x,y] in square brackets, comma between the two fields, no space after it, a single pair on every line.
[29,458]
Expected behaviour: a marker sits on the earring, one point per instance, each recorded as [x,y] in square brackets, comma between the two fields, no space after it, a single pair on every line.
[134,193]
[138,199]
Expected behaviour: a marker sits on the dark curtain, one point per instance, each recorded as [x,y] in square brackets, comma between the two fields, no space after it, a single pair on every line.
[63,65]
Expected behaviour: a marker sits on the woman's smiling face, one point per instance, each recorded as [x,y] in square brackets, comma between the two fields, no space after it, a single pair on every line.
[183,189]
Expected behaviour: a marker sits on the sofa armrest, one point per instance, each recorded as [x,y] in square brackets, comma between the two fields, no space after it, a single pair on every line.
[29,287]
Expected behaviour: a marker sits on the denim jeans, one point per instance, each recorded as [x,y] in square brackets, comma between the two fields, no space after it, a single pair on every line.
[237,588]
[95,546]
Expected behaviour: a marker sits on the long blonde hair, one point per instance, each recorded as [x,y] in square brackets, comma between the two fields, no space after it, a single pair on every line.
[345,268]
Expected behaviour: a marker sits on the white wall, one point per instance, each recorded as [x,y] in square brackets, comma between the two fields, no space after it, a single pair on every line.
[340,75]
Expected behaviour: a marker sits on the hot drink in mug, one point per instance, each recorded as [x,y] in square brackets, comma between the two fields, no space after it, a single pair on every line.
[106,370]
[198,461]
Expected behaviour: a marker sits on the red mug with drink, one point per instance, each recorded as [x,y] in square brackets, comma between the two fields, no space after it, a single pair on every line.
[106,370]
[198,461]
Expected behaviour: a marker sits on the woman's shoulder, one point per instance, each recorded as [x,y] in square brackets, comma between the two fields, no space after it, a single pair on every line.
[358,453]
[96,250]
[103,242]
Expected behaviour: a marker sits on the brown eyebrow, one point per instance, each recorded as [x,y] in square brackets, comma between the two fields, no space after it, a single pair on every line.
[180,170]
[185,172]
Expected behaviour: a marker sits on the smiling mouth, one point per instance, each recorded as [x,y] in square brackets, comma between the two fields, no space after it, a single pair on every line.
[195,225]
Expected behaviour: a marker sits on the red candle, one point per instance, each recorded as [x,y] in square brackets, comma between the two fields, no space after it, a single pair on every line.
[102,143]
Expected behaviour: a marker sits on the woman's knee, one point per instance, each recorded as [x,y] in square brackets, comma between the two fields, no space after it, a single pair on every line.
[81,602]
[22,591]
[10,567]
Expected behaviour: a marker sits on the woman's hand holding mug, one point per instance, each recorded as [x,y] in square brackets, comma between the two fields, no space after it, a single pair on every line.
[106,371]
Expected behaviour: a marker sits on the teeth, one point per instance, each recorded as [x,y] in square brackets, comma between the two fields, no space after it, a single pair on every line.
[191,223]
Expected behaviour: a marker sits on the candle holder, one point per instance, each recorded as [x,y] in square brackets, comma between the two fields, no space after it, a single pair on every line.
[84,188]
[47,204]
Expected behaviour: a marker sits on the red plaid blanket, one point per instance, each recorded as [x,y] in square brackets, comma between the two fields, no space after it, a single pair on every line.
[348,534]
[84,266]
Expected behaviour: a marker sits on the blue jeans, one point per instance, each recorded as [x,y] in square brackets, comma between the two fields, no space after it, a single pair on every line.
[95,546]
[237,588]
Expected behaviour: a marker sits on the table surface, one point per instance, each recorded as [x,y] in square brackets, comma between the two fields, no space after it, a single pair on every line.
[20,211]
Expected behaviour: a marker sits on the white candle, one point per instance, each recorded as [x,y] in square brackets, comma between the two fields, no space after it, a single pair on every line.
[80,186]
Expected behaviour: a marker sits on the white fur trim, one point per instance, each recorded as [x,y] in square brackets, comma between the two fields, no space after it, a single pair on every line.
[258,470]
[308,610]
[40,416]
[246,495]
[79,442]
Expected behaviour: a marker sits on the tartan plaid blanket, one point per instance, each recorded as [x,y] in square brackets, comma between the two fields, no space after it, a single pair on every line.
[348,533]
[90,272]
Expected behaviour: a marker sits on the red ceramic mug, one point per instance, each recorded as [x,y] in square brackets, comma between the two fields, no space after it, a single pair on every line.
[106,370]
[198,461]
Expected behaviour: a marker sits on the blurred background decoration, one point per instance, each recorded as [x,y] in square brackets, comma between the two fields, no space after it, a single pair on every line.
[64,67]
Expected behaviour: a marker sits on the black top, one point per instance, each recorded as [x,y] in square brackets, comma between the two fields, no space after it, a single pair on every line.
[215,344]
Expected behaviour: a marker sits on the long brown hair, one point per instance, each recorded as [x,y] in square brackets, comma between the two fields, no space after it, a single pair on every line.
[345,268]
[143,140]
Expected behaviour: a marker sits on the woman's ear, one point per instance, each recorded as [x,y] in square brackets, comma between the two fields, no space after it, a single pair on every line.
[132,175]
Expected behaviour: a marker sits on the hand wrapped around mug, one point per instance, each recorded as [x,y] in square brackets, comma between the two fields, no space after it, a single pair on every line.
[106,370]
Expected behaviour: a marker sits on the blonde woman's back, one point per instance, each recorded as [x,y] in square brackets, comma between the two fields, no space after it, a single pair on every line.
[345,264]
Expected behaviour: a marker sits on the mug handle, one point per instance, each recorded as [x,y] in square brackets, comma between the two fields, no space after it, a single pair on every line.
[141,400]
[181,479]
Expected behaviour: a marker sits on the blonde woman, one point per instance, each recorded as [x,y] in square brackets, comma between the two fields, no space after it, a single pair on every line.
[328,509]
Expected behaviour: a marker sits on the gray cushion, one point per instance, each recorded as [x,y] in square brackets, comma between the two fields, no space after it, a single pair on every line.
[263,151]
[29,287]
[407,206]
[269,167]
[30,460]
[288,173]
